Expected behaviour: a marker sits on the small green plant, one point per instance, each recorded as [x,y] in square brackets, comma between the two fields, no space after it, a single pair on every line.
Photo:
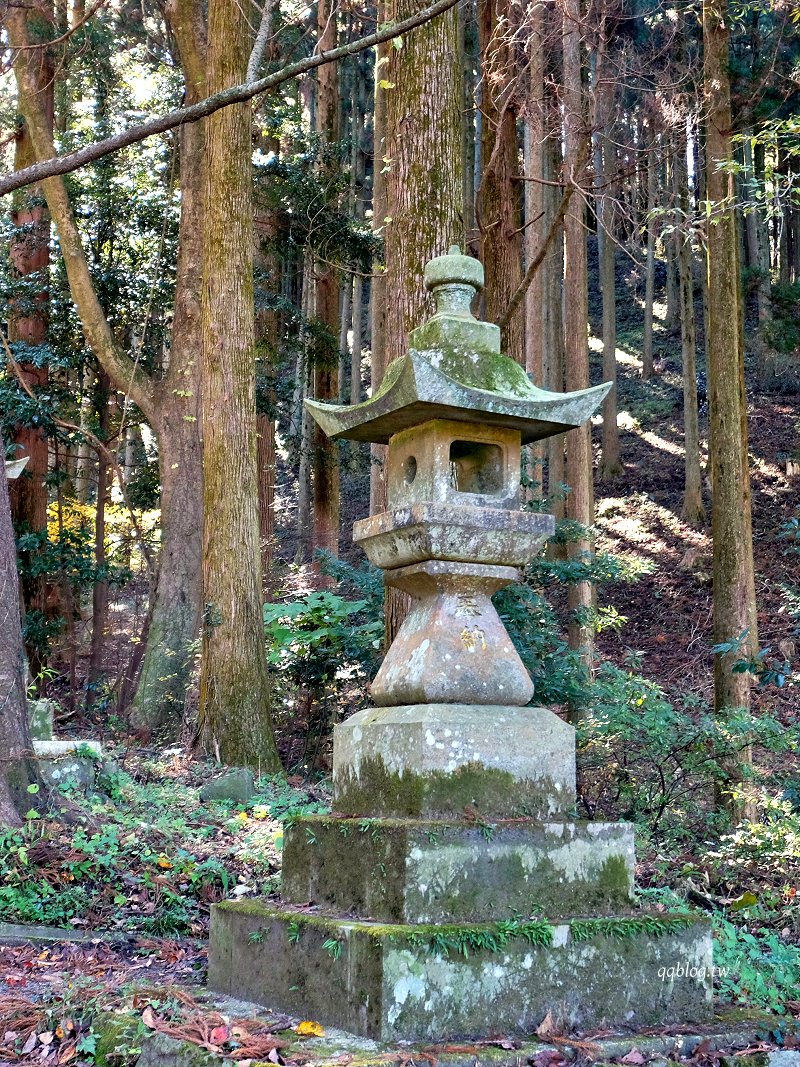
[755,968]
[333,947]
[293,932]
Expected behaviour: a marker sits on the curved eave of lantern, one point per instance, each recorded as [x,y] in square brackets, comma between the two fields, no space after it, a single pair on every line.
[415,390]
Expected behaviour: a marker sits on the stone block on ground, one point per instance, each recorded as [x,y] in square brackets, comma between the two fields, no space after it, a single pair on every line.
[41,714]
[423,871]
[435,982]
[440,760]
[57,748]
[75,770]
[237,785]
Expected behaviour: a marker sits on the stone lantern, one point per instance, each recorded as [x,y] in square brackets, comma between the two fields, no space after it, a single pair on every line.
[452,892]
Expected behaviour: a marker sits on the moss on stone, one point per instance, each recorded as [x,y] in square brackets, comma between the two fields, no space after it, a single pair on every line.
[412,870]
[117,1038]
[494,793]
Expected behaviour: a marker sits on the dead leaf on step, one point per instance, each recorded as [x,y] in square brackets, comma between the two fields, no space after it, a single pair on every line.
[634,1058]
[546,1027]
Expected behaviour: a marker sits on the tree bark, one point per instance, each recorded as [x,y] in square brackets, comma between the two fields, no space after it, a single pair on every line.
[424,189]
[610,464]
[175,618]
[326,370]
[17,767]
[536,226]
[693,512]
[580,499]
[235,722]
[650,268]
[100,586]
[734,606]
[498,201]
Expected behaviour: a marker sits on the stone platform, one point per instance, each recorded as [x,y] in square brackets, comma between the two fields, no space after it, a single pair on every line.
[438,760]
[426,871]
[448,894]
[438,982]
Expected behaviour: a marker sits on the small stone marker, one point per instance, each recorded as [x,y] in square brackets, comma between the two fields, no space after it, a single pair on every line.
[41,715]
[236,784]
[454,894]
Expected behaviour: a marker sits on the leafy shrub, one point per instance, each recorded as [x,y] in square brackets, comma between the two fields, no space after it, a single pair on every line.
[757,969]
[323,650]
[648,761]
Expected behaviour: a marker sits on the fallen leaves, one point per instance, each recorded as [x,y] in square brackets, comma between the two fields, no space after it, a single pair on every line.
[307,1028]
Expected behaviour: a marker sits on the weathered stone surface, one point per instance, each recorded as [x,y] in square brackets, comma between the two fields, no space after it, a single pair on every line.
[426,871]
[420,532]
[54,749]
[387,982]
[438,760]
[236,784]
[454,370]
[452,646]
[442,461]
[79,771]
[40,719]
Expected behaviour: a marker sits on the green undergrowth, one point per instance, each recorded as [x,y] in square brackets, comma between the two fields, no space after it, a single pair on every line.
[143,852]
[754,966]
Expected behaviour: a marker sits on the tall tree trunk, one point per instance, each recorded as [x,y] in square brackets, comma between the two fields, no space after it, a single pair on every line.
[671,254]
[468,28]
[30,255]
[693,511]
[733,578]
[176,598]
[610,465]
[650,268]
[377,303]
[326,370]
[235,722]
[580,500]
[553,267]
[536,225]
[424,187]
[100,586]
[766,352]
[498,202]
[17,767]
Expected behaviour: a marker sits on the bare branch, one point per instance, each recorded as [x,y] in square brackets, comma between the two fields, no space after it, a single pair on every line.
[555,225]
[260,44]
[237,94]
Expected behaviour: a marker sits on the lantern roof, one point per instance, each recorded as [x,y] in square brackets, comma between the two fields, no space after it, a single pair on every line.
[454,369]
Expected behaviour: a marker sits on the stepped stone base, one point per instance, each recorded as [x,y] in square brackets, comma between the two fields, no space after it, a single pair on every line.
[438,760]
[423,871]
[393,982]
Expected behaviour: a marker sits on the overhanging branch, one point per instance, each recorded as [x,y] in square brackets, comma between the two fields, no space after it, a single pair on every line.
[237,94]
